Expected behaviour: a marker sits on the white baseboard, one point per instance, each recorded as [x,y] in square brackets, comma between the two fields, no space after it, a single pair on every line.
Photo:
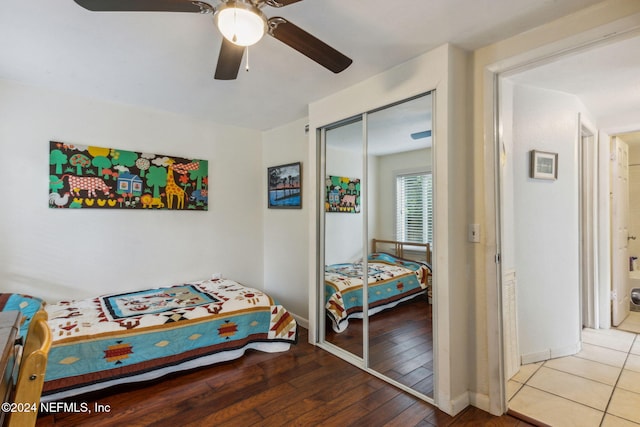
[456,405]
[538,356]
[480,401]
[301,320]
[551,353]
[566,351]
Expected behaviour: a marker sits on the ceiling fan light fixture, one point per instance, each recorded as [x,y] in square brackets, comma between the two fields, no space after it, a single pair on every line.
[241,23]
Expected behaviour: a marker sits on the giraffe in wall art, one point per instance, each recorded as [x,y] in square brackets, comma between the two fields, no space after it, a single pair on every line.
[174,190]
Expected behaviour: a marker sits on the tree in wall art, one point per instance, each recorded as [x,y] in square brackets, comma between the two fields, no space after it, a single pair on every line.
[343,194]
[110,178]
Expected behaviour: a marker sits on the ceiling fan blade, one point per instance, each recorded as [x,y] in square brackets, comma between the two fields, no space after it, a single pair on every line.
[229,60]
[145,6]
[423,134]
[308,45]
[280,3]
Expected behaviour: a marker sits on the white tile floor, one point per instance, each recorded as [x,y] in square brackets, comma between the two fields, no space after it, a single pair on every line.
[600,386]
[631,323]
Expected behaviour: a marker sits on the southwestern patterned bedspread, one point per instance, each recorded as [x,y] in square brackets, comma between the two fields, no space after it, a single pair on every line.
[25,304]
[139,336]
[391,280]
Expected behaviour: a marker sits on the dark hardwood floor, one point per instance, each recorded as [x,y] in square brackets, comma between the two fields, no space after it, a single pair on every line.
[305,386]
[400,343]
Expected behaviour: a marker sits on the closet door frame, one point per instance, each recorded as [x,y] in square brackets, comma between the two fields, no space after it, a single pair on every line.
[363,362]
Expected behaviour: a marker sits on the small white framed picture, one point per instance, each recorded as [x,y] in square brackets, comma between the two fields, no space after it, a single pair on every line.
[544,165]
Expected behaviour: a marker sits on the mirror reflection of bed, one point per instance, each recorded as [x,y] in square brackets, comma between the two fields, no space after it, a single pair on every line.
[380,162]
[400,325]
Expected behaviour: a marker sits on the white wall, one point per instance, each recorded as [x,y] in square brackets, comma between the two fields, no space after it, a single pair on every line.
[388,167]
[286,264]
[68,253]
[546,222]
[343,231]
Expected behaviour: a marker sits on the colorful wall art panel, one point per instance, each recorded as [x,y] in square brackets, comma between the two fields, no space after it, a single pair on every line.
[343,194]
[109,178]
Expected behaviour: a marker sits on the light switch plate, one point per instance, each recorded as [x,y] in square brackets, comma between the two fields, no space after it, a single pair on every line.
[474,233]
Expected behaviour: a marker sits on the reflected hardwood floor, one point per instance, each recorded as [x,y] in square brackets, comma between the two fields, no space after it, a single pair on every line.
[400,343]
[305,386]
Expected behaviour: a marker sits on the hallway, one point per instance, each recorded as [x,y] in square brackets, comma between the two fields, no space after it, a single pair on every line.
[599,386]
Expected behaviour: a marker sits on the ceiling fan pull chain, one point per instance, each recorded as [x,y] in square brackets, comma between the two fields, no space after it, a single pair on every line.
[235,25]
[247,61]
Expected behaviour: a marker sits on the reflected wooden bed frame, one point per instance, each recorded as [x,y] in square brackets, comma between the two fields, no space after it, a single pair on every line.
[399,248]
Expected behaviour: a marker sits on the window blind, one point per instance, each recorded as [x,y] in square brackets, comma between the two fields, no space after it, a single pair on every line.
[414,208]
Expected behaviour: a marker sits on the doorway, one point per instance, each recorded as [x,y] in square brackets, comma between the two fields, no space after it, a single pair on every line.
[585,294]
[626,216]
[540,218]
[620,261]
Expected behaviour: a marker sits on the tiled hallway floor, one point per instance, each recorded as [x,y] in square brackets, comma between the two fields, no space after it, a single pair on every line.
[600,386]
[631,323]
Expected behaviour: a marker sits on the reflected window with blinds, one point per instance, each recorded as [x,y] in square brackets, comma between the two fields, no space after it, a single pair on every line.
[414,207]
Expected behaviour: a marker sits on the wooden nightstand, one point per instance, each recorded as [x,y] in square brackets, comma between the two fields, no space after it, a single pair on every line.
[10,358]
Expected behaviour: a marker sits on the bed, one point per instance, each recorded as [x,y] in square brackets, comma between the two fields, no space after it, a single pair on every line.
[143,335]
[25,304]
[391,280]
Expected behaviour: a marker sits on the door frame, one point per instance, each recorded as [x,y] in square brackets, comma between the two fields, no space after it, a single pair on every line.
[430,71]
[490,64]
[588,179]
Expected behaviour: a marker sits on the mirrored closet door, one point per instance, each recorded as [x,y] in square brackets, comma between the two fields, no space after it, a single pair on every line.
[344,226]
[378,230]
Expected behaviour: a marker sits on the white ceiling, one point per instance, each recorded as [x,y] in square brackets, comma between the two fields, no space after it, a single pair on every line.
[166,61]
[606,78]
[389,129]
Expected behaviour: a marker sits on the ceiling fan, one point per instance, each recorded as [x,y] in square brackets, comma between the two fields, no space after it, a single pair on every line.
[242,24]
[422,134]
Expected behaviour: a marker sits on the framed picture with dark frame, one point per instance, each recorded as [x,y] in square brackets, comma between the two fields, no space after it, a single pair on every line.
[284,184]
[544,165]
